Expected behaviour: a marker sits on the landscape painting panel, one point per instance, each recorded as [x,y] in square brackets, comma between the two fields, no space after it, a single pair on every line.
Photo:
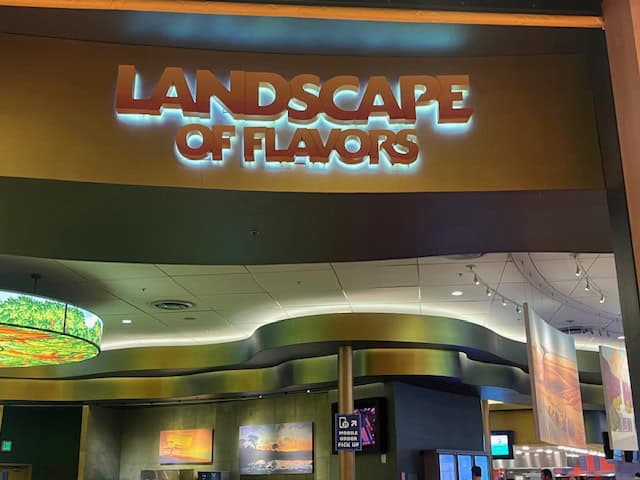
[617,398]
[186,446]
[284,448]
[555,385]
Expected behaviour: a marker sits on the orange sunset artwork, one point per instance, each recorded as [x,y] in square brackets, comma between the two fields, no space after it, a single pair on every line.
[186,446]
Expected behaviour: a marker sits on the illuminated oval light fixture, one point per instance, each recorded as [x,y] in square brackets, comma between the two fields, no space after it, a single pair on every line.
[40,331]
[456,293]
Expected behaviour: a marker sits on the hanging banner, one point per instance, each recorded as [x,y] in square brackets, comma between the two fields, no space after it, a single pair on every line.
[617,399]
[555,386]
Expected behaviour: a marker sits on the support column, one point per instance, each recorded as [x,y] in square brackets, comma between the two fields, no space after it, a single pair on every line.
[82,458]
[345,405]
[486,429]
[622,28]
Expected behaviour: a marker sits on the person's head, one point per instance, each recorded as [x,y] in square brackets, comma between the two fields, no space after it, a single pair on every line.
[476,471]
[546,474]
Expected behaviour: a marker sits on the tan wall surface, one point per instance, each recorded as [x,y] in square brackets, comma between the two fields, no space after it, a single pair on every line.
[532,127]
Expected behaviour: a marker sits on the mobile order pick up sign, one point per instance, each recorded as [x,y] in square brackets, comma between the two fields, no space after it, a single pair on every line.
[348,435]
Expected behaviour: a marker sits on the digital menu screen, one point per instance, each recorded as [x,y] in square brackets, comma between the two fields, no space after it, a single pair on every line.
[502,444]
[447,466]
[482,461]
[499,445]
[465,463]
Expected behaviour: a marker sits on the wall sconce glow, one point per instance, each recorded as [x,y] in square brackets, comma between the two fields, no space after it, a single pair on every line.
[40,331]
[265,120]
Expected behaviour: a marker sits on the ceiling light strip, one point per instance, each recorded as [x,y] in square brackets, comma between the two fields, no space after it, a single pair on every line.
[370,14]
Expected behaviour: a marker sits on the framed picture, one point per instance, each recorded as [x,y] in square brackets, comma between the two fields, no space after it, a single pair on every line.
[284,448]
[186,446]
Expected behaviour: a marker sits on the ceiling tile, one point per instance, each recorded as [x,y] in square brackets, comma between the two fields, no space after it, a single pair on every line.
[456,308]
[399,308]
[603,267]
[298,299]
[111,306]
[568,315]
[26,266]
[381,296]
[376,276]
[219,284]
[252,315]
[196,324]
[377,263]
[237,300]
[466,259]
[290,267]
[458,274]
[568,287]
[518,292]
[142,291]
[511,274]
[112,271]
[174,270]
[443,293]
[316,310]
[140,323]
[299,281]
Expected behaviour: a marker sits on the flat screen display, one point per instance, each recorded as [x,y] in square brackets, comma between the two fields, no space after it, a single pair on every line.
[373,414]
[447,466]
[502,444]
[209,476]
[482,461]
[465,462]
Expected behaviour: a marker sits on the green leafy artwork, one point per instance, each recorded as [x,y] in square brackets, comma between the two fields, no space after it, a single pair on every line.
[38,331]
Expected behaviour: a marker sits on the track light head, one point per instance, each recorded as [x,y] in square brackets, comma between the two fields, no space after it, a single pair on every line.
[489,292]
[587,287]
[476,280]
[578,271]
[602,298]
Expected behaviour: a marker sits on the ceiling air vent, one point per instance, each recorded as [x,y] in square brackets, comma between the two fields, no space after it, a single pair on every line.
[172,305]
[577,330]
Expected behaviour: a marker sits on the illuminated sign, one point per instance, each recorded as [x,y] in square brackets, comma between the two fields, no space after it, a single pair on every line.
[268,120]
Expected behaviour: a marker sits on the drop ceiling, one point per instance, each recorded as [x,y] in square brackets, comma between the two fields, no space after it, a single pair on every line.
[232,301]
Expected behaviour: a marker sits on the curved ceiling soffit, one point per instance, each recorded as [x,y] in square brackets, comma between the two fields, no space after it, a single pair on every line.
[306,337]
[293,375]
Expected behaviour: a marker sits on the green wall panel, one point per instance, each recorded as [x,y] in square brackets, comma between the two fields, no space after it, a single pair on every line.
[48,438]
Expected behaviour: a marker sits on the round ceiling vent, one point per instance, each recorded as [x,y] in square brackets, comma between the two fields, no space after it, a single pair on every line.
[172,305]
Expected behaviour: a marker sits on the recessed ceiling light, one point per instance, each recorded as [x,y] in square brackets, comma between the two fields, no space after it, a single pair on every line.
[621,337]
[525,448]
[172,304]
[126,321]
[456,293]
